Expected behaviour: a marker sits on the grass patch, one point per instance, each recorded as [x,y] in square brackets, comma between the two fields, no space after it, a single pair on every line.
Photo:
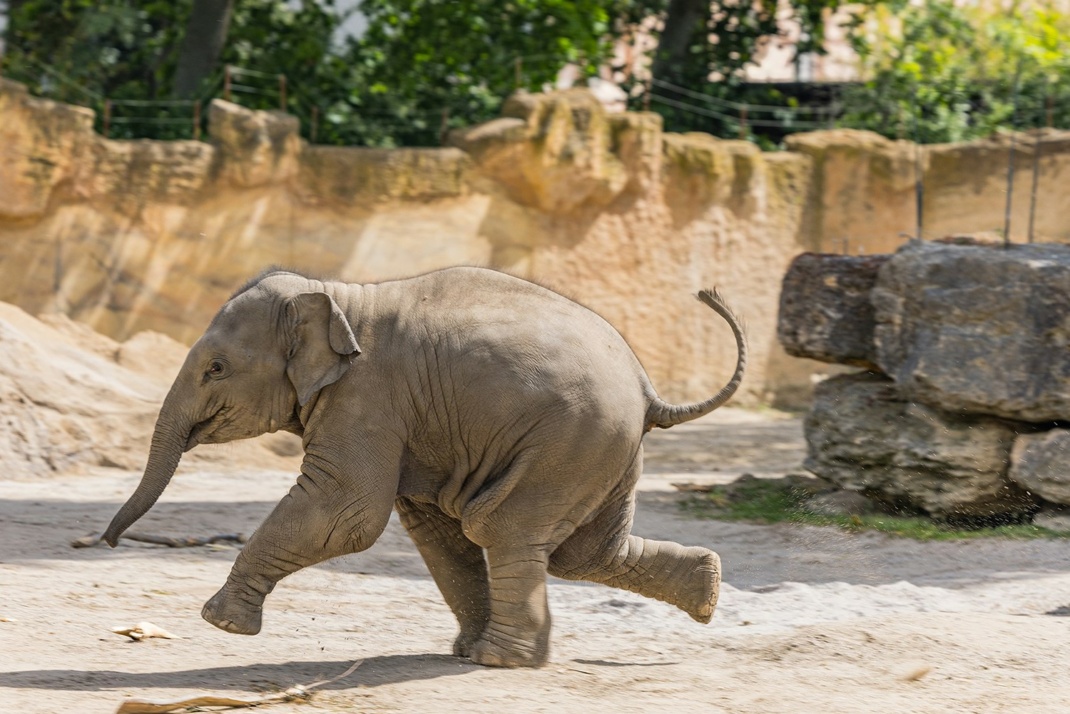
[784,501]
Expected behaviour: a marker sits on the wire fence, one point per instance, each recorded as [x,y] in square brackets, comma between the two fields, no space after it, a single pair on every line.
[685,108]
[722,109]
[185,118]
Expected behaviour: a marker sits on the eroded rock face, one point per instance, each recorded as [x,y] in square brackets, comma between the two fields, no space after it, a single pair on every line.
[64,403]
[825,309]
[864,435]
[257,147]
[553,151]
[130,175]
[710,169]
[976,329]
[349,175]
[1040,463]
[72,399]
[42,144]
[606,208]
[866,186]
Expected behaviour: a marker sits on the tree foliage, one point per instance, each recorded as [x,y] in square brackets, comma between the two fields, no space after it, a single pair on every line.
[942,72]
[709,58]
[423,66]
[421,63]
[86,51]
[121,49]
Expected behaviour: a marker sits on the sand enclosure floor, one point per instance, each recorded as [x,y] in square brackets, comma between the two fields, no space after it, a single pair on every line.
[810,619]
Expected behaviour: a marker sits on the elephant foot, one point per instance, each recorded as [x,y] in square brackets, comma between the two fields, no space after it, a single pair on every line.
[462,646]
[707,588]
[233,614]
[489,651]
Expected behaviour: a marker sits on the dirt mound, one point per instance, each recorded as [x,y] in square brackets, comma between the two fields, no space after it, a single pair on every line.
[71,399]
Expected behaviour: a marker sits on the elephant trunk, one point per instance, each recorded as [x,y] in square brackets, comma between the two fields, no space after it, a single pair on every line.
[169,440]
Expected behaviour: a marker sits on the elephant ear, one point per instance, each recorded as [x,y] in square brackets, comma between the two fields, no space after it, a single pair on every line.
[322,344]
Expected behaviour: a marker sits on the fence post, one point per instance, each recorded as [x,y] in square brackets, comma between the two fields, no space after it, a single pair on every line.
[1010,160]
[1037,145]
[197,120]
[107,118]
[226,82]
[743,123]
[282,92]
[315,121]
[919,175]
[444,127]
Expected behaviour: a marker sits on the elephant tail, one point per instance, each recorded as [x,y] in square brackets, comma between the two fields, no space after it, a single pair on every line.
[663,415]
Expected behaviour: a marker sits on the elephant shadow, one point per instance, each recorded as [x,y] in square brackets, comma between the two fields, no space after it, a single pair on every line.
[373,672]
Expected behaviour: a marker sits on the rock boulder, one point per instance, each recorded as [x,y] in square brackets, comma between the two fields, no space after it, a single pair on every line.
[864,435]
[553,152]
[43,145]
[258,148]
[1040,463]
[71,399]
[825,309]
[1053,519]
[978,329]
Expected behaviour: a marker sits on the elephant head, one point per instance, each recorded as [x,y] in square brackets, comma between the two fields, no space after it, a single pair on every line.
[268,352]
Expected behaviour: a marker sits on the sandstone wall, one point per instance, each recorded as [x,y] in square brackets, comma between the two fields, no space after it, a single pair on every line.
[134,235]
[866,188]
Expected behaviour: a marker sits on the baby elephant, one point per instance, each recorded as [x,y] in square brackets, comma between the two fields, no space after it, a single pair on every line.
[502,421]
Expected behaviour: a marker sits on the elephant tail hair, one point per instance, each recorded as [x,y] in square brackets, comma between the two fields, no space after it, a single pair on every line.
[661,414]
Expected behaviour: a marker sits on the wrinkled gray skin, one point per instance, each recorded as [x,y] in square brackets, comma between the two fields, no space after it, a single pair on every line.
[502,421]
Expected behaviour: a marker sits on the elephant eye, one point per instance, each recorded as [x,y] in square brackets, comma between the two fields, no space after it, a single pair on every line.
[215,368]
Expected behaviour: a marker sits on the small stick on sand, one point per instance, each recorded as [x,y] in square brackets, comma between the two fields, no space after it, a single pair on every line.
[299,692]
[94,539]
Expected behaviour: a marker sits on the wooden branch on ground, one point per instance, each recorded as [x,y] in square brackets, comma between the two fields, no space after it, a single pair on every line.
[94,539]
[300,692]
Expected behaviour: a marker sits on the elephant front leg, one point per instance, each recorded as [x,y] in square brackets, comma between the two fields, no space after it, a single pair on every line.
[309,525]
[456,564]
[518,632]
[238,606]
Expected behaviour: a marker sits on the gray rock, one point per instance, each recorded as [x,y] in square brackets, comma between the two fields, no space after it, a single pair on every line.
[840,503]
[1053,520]
[978,329]
[1040,463]
[863,435]
[825,309]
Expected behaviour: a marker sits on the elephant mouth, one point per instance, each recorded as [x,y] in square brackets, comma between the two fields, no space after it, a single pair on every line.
[198,433]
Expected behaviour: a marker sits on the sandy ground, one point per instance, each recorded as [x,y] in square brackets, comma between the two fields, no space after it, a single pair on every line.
[810,620]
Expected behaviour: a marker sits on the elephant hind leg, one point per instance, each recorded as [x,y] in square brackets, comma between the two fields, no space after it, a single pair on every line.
[518,632]
[456,564]
[604,551]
